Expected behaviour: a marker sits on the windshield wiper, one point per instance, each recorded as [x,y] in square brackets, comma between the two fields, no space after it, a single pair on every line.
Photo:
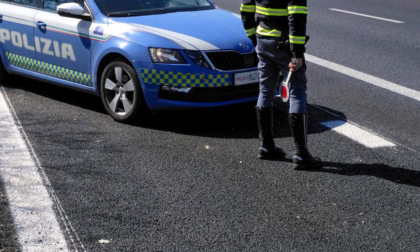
[124,14]
[157,11]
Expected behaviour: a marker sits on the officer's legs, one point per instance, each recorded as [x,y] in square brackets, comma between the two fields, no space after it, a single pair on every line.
[269,78]
[302,158]
[298,91]
[269,71]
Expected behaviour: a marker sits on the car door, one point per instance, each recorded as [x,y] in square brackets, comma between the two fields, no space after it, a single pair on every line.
[17,44]
[65,45]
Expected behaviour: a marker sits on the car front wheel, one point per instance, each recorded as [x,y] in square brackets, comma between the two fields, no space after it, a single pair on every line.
[121,92]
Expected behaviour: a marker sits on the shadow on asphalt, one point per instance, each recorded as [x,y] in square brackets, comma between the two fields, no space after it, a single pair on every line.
[235,121]
[56,92]
[8,238]
[382,171]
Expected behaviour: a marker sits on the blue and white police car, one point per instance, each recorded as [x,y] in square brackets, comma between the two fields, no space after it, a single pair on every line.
[138,55]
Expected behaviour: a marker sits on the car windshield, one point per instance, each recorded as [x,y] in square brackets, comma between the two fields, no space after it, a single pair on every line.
[122,8]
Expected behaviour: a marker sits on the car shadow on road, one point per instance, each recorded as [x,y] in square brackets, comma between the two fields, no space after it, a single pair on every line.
[382,171]
[234,121]
[56,92]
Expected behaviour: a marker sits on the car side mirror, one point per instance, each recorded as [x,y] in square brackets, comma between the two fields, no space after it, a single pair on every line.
[73,10]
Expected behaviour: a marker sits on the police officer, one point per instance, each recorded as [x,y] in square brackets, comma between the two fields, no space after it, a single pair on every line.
[278,30]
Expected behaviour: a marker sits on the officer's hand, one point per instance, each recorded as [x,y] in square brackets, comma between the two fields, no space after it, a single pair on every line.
[295,64]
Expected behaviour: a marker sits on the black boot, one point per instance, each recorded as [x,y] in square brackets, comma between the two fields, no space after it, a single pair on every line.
[267,149]
[302,159]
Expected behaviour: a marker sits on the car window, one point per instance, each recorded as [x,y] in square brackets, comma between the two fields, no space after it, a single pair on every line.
[32,3]
[142,7]
[51,5]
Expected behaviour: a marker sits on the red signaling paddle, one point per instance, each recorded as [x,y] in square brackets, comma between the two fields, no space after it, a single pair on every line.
[285,88]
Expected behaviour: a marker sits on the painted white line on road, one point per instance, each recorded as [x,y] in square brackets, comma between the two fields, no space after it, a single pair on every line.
[357,134]
[369,16]
[30,204]
[411,93]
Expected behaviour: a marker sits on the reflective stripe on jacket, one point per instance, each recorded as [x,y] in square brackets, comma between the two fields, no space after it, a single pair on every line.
[277,18]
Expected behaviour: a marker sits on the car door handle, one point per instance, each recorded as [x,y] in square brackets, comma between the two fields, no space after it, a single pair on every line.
[41,24]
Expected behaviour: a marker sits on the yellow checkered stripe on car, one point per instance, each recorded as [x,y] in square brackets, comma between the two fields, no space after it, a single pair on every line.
[48,69]
[179,79]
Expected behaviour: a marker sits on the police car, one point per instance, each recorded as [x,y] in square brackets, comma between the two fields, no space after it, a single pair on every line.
[138,55]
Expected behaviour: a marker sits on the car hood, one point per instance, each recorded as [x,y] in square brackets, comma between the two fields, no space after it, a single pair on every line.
[206,30]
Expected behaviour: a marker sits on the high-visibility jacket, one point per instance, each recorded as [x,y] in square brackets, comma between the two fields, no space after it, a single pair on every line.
[277,18]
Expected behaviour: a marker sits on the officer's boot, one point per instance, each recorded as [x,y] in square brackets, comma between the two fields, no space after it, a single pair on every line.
[267,149]
[302,159]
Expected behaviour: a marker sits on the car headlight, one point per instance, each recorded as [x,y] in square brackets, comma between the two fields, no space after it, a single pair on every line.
[163,55]
[198,58]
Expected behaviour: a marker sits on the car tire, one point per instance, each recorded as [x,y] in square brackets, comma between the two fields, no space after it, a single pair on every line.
[4,75]
[121,92]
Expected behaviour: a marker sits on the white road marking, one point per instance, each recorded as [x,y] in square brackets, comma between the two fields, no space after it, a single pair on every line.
[30,204]
[357,134]
[411,93]
[369,16]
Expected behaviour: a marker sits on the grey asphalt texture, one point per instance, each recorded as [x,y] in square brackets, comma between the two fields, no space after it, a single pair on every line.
[190,180]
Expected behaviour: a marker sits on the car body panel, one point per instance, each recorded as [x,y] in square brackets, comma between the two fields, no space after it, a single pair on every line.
[202,32]
[70,51]
[66,44]
[16,29]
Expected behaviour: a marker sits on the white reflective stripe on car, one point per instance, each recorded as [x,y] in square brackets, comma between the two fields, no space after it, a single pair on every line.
[188,42]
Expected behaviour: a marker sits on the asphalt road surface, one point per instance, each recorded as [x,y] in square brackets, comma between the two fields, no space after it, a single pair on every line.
[190,180]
